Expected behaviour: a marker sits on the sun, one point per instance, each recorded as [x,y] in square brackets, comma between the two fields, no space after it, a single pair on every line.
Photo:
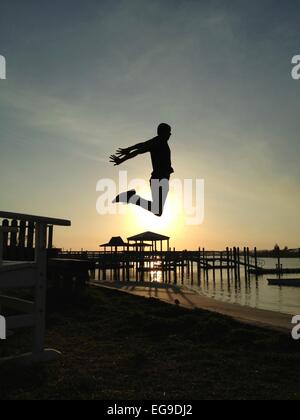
[170,223]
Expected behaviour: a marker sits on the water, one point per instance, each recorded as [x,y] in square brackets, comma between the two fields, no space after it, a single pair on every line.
[255,292]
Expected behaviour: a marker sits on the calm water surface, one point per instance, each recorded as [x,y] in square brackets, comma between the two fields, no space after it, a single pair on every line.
[255,292]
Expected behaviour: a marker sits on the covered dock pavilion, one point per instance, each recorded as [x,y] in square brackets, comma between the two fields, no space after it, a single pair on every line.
[116,244]
[152,239]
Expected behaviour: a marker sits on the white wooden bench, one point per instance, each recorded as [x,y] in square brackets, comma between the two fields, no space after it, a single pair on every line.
[20,275]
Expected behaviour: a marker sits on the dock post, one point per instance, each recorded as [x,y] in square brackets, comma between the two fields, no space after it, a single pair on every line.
[234,262]
[199,266]
[192,272]
[99,271]
[227,262]
[182,269]
[175,267]
[168,275]
[239,263]
[214,266]
[279,263]
[245,263]
[163,269]
[127,270]
[203,262]
[143,267]
[136,272]
[122,270]
[207,274]
[221,265]
[248,260]
[175,273]
[256,261]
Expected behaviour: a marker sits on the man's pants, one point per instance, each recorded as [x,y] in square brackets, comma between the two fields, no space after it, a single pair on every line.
[160,189]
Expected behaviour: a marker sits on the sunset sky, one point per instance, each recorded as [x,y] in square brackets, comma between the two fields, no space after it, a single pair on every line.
[84,78]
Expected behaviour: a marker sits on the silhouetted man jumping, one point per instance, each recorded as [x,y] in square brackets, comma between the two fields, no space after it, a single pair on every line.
[162,170]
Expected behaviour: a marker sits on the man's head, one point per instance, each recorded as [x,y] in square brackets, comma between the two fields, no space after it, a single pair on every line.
[164,131]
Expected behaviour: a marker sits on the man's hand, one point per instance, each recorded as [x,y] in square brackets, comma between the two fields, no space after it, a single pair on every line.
[115,160]
[123,152]
[122,155]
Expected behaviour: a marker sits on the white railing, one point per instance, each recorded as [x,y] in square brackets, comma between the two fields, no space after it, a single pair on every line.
[15,275]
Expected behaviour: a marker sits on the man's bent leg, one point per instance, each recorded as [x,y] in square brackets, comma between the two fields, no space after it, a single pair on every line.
[141,202]
[125,197]
[160,190]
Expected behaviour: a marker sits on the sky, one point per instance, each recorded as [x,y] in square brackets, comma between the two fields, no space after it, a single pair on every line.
[85,78]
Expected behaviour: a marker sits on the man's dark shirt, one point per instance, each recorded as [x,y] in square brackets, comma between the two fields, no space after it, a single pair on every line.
[161,158]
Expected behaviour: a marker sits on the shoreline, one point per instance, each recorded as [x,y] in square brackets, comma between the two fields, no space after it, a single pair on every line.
[191,299]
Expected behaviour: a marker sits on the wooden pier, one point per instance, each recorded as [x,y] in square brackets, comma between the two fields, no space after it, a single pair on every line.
[142,254]
[173,265]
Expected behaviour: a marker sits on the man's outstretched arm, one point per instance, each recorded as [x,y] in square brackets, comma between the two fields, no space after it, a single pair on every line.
[118,160]
[143,147]
[122,155]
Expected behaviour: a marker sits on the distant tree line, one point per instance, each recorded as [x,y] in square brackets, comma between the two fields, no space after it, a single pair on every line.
[278,251]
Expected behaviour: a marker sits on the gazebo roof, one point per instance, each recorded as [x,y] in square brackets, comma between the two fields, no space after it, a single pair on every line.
[116,241]
[149,236]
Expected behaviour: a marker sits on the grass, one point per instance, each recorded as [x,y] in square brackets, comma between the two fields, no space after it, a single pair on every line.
[118,346]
